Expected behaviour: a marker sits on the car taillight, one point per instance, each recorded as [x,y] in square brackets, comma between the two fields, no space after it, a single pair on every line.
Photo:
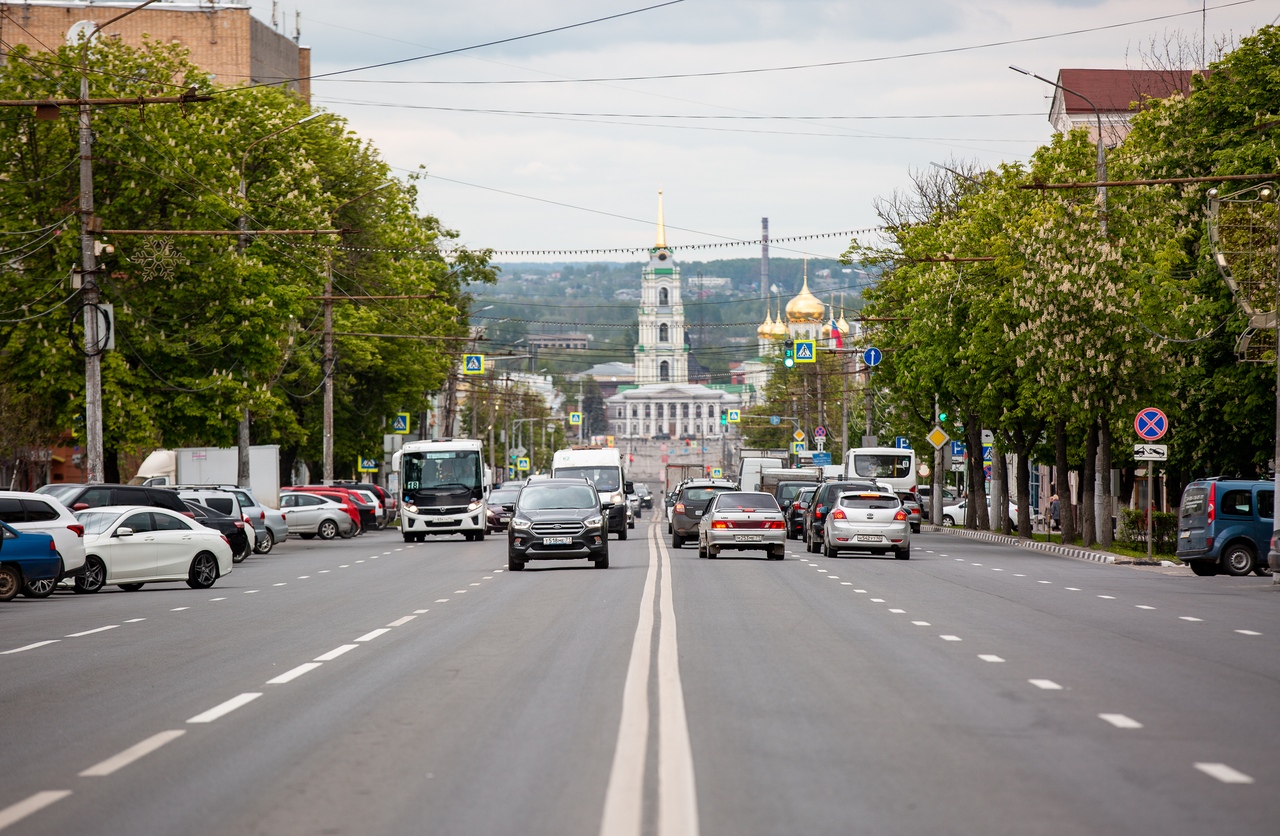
[78,529]
[191,514]
[262,515]
[246,518]
[837,514]
[53,547]
[239,525]
[721,524]
[795,506]
[819,511]
[775,524]
[1213,496]
[224,539]
[679,507]
[900,516]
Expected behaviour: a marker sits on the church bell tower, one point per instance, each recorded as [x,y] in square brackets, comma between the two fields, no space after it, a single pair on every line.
[661,356]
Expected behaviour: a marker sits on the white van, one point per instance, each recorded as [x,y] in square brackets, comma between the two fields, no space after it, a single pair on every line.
[603,466]
[890,466]
[749,470]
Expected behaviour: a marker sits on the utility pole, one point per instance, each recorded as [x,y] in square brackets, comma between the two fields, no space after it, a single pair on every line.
[939,478]
[764,259]
[93,346]
[326,369]
[844,411]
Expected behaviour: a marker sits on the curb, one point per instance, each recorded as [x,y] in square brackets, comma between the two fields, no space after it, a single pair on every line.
[1074,552]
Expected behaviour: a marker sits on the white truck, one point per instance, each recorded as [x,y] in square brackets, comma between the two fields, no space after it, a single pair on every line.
[603,466]
[215,466]
[444,488]
[753,462]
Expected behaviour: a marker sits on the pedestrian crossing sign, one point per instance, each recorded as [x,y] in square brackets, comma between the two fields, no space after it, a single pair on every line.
[735,416]
[473,364]
[797,447]
[717,473]
[522,464]
[511,471]
[401,423]
[364,465]
[806,351]
[575,418]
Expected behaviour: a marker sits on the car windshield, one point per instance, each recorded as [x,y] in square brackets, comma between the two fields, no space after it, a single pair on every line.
[558,497]
[59,492]
[869,501]
[504,496]
[881,465]
[96,522]
[442,470]
[746,502]
[605,478]
[703,494]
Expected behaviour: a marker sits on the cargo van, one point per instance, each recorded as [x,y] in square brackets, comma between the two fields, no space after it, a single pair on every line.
[603,467]
[1225,525]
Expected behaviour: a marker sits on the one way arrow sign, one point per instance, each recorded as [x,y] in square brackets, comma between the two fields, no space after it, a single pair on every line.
[1151,452]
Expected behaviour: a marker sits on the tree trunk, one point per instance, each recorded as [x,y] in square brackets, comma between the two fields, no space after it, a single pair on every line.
[1105,529]
[975,515]
[1088,473]
[1001,505]
[1063,482]
[1024,492]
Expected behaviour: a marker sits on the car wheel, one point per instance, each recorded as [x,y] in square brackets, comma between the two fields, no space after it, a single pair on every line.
[480,535]
[382,526]
[622,534]
[948,521]
[204,571]
[1204,568]
[713,551]
[1259,569]
[915,529]
[828,550]
[328,529]
[702,550]
[602,562]
[94,575]
[514,565]
[266,543]
[421,538]
[408,538]
[779,553]
[1238,560]
[307,536]
[244,554]
[10,582]
[676,540]
[131,587]
[903,554]
[40,589]
[814,546]
[350,532]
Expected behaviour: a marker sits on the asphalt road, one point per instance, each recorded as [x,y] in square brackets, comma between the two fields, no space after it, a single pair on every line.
[374,687]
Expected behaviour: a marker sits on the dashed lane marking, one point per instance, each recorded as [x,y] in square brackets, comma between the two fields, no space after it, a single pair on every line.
[1143,607]
[223,709]
[373,634]
[994,569]
[289,676]
[846,583]
[459,592]
[17,812]
[897,611]
[30,647]
[877,600]
[950,638]
[211,600]
[279,584]
[400,622]
[1045,684]
[325,571]
[441,600]
[336,652]
[922,624]
[1189,618]
[359,561]
[477,583]
[1248,633]
[133,620]
[861,591]
[1108,597]
[1072,588]
[989,657]
[179,609]
[487,578]
[135,752]
[1120,721]
[420,612]
[90,632]
[345,566]
[977,564]
[1044,581]
[1016,575]
[1224,773]
[303,577]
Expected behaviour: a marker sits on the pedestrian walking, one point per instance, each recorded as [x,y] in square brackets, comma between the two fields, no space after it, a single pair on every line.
[1055,513]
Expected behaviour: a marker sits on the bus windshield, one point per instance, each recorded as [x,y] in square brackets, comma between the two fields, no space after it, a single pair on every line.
[447,470]
[882,465]
[606,478]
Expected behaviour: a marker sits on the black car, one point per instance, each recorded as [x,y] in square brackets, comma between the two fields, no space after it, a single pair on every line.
[383,495]
[646,495]
[815,513]
[691,504]
[795,512]
[226,525]
[558,519]
[496,509]
[83,497]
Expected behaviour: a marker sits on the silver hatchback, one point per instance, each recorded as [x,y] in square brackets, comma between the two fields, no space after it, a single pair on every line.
[740,520]
[873,521]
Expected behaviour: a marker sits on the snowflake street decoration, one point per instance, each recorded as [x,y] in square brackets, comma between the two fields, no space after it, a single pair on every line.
[157,258]
[1245,230]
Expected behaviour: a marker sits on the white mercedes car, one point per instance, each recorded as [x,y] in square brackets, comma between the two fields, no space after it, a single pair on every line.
[133,545]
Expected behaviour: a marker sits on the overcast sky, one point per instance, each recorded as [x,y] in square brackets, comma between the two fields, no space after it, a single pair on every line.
[817,171]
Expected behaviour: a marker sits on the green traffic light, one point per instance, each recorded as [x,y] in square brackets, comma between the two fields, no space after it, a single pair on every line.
[942,416]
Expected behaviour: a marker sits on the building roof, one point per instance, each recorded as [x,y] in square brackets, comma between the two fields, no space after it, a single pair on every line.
[1114,90]
[673,391]
[611,370]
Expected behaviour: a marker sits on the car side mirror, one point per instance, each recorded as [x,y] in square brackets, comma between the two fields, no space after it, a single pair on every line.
[510,508]
[80,506]
[605,506]
[629,487]
[123,531]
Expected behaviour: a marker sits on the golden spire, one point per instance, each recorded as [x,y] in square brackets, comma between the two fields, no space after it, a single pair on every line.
[805,307]
[766,327]
[662,227]
[779,329]
[826,323]
[843,324]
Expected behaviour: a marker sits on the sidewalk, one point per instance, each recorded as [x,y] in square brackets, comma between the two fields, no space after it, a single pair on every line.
[1077,552]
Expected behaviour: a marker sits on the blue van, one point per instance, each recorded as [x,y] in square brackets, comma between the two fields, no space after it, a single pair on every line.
[1225,525]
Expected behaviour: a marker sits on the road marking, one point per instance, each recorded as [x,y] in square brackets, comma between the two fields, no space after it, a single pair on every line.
[487,578]
[897,611]
[950,638]
[133,753]
[386,553]
[677,787]
[325,571]
[477,583]
[994,569]
[420,612]
[90,632]
[846,583]
[1072,588]
[1189,618]
[216,599]
[1045,684]
[359,561]
[862,591]
[1120,721]
[989,657]
[223,709]
[179,609]
[833,577]
[441,600]
[373,634]
[345,566]
[1044,581]
[134,620]
[30,646]
[400,622]
[336,652]
[279,584]
[1248,633]
[289,676]
[822,570]
[877,600]
[1108,597]
[1016,575]
[624,796]
[921,623]
[959,559]
[459,592]
[17,812]
[1143,607]
[1224,773]
[250,591]
[977,564]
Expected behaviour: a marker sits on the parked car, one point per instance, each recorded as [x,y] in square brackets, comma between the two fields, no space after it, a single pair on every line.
[949,497]
[646,495]
[873,521]
[389,502]
[691,503]
[37,512]
[226,504]
[911,504]
[1225,525]
[236,531]
[499,498]
[633,508]
[954,514]
[311,515]
[822,501]
[81,497]
[26,557]
[379,511]
[269,526]
[132,546]
[558,519]
[341,497]
[795,512]
[741,520]
[368,513]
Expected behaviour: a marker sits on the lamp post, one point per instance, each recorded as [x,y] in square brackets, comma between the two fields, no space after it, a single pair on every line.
[1102,158]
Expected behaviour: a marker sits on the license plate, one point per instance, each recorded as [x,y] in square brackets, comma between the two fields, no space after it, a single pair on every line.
[748,538]
[869,538]
[697,513]
[556,541]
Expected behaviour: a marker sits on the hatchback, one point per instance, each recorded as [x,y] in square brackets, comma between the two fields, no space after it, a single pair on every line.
[310,515]
[26,557]
[129,547]
[690,505]
[43,513]
[1226,525]
[823,500]
[795,512]
[873,521]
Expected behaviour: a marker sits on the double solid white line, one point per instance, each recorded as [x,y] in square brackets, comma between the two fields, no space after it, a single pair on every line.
[677,789]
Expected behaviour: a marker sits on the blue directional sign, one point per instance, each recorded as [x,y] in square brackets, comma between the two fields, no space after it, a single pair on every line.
[902,442]
[957,449]
[1151,424]
[872,356]
[775,420]
[400,424]
[806,351]
[820,459]
[473,364]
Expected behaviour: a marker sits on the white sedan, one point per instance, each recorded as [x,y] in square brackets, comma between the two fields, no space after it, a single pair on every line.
[130,546]
[954,514]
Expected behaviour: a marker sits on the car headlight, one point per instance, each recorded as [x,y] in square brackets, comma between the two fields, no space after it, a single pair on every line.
[521,522]
[411,508]
[593,522]
[475,503]
[616,498]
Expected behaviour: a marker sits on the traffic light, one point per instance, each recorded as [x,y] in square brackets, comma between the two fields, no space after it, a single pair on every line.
[724,419]
[789,353]
[942,416]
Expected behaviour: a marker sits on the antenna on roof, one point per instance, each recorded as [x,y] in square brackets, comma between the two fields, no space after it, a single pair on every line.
[297,26]
[275,15]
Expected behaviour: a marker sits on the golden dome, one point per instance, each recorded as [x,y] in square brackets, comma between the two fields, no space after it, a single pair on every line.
[843,324]
[779,329]
[826,323]
[766,327]
[805,307]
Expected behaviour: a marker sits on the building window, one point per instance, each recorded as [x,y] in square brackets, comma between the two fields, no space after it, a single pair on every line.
[697,411]
[648,428]
[664,333]
[635,429]
[648,411]
[621,412]
[659,411]
[684,413]
[698,427]
[664,297]
[664,370]
[635,411]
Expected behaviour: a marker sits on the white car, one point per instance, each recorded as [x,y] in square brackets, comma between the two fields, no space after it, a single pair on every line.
[873,521]
[42,512]
[309,515]
[129,546]
[954,514]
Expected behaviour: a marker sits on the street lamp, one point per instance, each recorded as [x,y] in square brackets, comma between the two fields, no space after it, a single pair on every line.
[1102,157]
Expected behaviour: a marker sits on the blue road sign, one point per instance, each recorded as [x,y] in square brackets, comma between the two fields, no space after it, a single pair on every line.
[957,449]
[401,423]
[986,453]
[822,458]
[902,442]
[473,364]
[806,351]
[775,420]
[1151,424]
[872,356]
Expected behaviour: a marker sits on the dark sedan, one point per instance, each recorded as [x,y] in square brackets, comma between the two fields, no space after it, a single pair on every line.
[226,525]
[795,513]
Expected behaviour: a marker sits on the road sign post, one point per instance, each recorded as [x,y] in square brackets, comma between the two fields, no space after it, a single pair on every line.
[1151,424]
